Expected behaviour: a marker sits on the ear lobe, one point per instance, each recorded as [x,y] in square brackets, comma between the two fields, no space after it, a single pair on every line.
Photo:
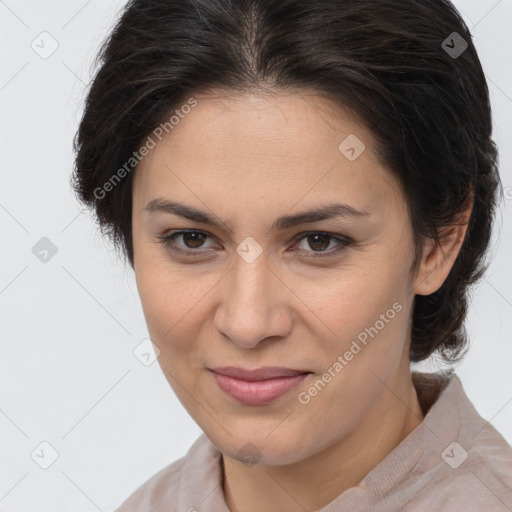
[438,259]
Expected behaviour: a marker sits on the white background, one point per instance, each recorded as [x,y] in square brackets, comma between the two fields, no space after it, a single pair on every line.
[68,375]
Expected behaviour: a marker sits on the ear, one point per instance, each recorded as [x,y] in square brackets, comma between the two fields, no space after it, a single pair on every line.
[438,260]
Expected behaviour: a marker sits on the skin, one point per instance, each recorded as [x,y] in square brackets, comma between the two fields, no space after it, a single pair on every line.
[248,159]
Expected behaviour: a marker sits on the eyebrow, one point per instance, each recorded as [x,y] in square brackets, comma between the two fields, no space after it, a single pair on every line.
[313,215]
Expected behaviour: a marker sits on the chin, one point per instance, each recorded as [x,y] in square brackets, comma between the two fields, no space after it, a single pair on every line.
[261,449]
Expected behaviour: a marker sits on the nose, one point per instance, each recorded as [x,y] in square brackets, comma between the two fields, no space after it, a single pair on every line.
[254,305]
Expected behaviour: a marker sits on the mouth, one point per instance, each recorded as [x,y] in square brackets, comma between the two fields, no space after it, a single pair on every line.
[259,386]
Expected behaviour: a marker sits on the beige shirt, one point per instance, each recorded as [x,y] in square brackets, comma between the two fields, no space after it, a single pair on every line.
[454,461]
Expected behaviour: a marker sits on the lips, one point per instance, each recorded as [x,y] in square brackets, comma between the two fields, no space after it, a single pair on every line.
[258,386]
[265,373]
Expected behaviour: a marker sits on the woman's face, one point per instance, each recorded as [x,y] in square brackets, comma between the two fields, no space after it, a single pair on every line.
[330,297]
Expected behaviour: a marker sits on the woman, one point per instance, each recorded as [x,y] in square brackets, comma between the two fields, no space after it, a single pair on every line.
[305,191]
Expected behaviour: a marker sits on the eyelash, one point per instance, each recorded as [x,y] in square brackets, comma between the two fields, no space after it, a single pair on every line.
[167,241]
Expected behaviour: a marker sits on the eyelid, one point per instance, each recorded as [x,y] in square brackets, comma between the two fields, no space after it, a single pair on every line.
[343,242]
[168,237]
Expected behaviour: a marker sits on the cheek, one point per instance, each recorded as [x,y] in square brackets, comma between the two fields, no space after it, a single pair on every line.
[173,302]
[350,300]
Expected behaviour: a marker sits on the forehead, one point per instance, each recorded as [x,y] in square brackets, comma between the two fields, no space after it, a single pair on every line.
[272,147]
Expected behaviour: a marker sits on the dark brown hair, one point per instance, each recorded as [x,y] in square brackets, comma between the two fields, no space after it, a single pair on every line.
[402,66]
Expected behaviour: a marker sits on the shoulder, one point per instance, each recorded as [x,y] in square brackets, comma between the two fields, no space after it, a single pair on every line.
[477,486]
[164,483]
[474,461]
[179,483]
[474,475]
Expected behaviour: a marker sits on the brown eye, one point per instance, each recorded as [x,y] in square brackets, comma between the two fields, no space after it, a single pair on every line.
[317,245]
[192,242]
[318,242]
[193,239]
